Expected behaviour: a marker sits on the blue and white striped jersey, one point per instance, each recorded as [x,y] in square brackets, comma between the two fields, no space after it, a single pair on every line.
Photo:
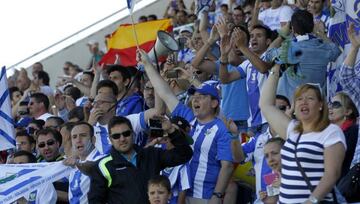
[254,83]
[310,151]
[211,146]
[138,123]
[254,151]
[179,177]
[79,183]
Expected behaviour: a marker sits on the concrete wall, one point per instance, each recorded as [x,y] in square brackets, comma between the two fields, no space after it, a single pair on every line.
[78,52]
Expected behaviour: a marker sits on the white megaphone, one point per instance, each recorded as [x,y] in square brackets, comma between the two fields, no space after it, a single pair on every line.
[164,45]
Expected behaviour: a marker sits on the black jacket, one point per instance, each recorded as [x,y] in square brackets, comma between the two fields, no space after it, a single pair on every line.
[129,183]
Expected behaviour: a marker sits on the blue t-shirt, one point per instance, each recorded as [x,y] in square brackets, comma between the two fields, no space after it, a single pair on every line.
[211,146]
[234,103]
[130,105]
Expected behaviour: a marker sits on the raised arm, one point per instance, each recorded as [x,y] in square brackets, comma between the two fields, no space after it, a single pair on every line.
[214,36]
[241,43]
[159,84]
[226,45]
[354,49]
[278,120]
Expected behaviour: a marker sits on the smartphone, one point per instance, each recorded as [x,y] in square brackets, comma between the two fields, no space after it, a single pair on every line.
[172,74]
[155,128]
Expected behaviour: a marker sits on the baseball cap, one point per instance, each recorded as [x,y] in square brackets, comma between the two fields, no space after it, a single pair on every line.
[186,29]
[205,89]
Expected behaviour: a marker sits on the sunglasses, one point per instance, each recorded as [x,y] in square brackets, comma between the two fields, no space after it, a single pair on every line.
[48,143]
[198,72]
[334,104]
[118,135]
[282,108]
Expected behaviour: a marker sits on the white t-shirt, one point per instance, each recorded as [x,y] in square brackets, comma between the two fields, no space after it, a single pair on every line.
[44,117]
[273,17]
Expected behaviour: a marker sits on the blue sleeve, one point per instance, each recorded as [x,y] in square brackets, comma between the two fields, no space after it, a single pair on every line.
[241,71]
[143,123]
[249,147]
[223,146]
[183,111]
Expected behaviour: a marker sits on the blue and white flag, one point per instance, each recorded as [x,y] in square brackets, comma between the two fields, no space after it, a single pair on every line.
[18,180]
[203,5]
[130,5]
[346,11]
[7,139]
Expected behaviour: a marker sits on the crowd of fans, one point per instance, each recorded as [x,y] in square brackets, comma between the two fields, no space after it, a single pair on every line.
[247,85]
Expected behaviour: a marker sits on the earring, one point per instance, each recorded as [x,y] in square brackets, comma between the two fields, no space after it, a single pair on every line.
[320,108]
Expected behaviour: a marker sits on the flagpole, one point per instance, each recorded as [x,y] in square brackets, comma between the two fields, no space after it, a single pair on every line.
[133,26]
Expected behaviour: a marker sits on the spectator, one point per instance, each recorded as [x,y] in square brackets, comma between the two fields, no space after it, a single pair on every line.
[350,79]
[76,114]
[22,81]
[142,19]
[253,150]
[316,8]
[34,126]
[152,17]
[255,68]
[159,191]
[39,106]
[317,146]
[36,67]
[41,82]
[48,143]
[96,53]
[15,95]
[66,68]
[137,164]
[205,106]
[149,95]
[272,154]
[343,112]
[54,122]
[25,142]
[129,101]
[238,16]
[315,55]
[44,194]
[82,139]
[276,16]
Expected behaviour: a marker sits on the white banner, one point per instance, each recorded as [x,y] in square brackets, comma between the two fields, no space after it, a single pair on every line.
[18,180]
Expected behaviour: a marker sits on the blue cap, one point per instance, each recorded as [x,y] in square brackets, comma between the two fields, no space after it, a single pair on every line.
[205,89]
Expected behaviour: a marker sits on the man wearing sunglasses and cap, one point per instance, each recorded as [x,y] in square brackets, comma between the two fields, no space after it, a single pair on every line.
[211,166]
[122,176]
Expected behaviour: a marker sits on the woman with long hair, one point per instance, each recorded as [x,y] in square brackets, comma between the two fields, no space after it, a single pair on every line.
[314,150]
[343,112]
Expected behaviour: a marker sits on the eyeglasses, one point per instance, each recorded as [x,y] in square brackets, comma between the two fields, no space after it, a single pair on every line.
[118,135]
[198,72]
[334,104]
[48,143]
[148,88]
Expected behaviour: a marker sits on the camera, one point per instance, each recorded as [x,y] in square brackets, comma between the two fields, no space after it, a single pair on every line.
[182,42]
[156,128]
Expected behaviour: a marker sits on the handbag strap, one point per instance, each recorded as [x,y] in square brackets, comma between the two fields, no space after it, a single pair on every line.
[307,180]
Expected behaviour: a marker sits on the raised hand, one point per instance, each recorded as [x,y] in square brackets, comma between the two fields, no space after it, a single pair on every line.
[354,39]
[240,38]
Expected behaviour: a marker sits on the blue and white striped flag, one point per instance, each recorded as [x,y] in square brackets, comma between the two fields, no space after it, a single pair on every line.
[7,139]
[346,11]
[130,5]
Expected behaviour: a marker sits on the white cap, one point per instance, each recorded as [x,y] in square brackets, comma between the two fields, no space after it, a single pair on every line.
[186,29]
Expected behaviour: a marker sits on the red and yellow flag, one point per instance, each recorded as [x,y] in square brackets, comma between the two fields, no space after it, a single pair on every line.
[122,42]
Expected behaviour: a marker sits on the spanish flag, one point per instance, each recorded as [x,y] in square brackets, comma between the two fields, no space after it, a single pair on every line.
[122,42]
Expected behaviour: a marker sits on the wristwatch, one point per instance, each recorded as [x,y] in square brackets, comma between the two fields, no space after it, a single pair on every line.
[218,194]
[313,199]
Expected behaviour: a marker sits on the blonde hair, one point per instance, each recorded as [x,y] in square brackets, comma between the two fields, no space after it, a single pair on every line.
[323,120]
[348,105]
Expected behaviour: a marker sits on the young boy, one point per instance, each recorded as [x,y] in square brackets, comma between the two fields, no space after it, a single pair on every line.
[159,190]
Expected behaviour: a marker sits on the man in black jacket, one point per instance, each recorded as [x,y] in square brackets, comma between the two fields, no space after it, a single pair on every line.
[122,176]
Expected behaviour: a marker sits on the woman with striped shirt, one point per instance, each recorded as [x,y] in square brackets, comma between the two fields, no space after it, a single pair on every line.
[318,145]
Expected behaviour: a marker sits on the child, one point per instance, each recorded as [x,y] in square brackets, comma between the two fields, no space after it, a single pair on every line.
[272,154]
[159,190]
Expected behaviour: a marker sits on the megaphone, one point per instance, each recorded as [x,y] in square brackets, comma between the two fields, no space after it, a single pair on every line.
[164,45]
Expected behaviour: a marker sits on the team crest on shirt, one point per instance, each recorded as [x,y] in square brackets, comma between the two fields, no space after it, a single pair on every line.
[32,196]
